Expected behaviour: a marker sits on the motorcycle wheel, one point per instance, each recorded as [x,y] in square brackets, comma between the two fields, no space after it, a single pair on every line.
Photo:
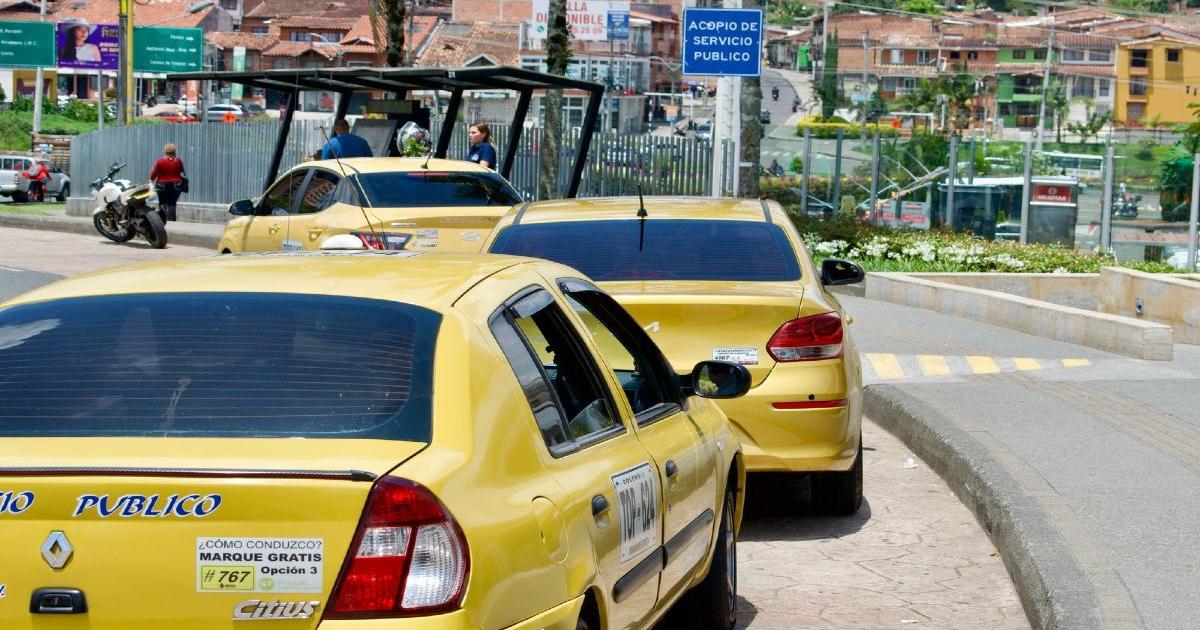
[156,232]
[106,225]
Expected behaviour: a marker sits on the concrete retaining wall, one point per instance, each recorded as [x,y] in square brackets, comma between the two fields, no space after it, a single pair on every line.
[1169,300]
[1111,333]
[1077,290]
[184,211]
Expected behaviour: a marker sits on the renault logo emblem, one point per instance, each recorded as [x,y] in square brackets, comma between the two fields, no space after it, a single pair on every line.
[57,550]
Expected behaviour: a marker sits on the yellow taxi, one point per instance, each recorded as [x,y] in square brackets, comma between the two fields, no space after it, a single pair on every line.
[390,203]
[357,440]
[727,279]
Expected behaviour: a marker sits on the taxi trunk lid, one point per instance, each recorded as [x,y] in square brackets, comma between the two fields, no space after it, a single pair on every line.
[453,229]
[699,321]
[153,538]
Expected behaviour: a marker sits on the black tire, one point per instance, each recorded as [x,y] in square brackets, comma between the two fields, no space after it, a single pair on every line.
[712,604]
[156,232]
[19,197]
[64,193]
[840,493]
[105,224]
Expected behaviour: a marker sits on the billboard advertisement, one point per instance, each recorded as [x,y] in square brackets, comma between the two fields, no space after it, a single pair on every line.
[87,46]
[588,19]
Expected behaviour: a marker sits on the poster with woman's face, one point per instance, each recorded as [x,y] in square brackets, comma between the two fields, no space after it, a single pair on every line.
[92,46]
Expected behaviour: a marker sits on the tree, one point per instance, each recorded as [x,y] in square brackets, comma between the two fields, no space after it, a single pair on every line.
[1059,106]
[389,30]
[1094,122]
[827,92]
[751,126]
[558,57]
[928,7]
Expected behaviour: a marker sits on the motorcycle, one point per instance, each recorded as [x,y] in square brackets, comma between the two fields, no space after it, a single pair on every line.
[775,94]
[1125,206]
[124,211]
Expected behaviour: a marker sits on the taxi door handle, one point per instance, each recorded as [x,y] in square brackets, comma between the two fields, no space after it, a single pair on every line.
[671,468]
[599,505]
[273,228]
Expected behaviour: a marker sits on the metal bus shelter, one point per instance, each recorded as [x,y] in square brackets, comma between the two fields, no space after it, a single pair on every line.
[400,81]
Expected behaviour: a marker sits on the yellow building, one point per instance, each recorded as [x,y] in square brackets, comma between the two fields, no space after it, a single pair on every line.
[1157,76]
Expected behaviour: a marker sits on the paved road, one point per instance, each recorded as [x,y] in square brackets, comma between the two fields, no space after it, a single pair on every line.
[912,555]
[1107,447]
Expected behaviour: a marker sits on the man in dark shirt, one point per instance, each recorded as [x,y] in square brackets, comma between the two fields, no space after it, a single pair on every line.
[345,144]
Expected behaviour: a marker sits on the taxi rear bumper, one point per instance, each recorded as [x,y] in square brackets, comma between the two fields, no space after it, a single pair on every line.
[561,617]
[803,417]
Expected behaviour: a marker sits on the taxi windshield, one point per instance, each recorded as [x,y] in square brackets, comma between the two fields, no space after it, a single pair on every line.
[424,189]
[684,249]
[217,365]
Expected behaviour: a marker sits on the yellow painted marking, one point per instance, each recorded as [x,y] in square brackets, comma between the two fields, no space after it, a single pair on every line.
[886,366]
[933,365]
[1025,364]
[1075,362]
[982,365]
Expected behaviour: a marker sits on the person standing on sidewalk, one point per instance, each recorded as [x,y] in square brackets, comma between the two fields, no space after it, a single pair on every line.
[38,177]
[481,152]
[169,177]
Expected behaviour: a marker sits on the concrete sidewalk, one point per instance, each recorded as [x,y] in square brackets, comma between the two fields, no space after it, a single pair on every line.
[178,232]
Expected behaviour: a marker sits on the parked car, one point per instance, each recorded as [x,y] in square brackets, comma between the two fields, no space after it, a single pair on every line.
[704,130]
[410,203]
[175,117]
[215,113]
[350,439]
[727,279]
[1008,231]
[14,185]
[764,117]
[253,109]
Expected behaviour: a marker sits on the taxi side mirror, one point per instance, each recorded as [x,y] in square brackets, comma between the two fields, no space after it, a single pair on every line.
[718,379]
[835,271]
[242,208]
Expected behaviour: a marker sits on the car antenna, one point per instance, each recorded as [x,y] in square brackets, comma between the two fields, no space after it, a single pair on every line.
[359,194]
[641,214]
[428,156]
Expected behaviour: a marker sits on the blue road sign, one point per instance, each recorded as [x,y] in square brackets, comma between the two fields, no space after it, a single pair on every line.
[722,42]
[618,26]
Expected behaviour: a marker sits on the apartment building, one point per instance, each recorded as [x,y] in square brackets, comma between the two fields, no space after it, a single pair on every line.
[1157,79]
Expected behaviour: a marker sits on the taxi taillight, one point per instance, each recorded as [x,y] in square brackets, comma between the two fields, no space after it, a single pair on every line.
[409,557]
[808,339]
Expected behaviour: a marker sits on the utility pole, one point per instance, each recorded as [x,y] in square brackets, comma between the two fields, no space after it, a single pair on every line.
[1041,130]
[37,89]
[125,73]
[824,37]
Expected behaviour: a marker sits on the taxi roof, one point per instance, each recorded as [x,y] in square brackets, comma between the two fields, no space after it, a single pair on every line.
[397,164]
[429,280]
[605,208]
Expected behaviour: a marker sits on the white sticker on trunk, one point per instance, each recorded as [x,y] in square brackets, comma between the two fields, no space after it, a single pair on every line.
[637,504]
[259,565]
[744,356]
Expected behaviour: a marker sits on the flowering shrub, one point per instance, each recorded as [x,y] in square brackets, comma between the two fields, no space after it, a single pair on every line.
[892,249]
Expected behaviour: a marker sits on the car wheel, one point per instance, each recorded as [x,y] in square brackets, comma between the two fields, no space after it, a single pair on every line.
[840,493]
[712,604]
[64,193]
[20,197]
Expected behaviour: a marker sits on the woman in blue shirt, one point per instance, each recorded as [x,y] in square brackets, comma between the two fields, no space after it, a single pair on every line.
[482,152]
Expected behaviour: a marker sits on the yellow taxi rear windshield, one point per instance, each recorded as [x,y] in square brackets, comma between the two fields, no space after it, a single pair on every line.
[667,249]
[217,365]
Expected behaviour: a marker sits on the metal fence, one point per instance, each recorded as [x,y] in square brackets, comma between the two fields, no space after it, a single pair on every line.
[229,162]
[224,162]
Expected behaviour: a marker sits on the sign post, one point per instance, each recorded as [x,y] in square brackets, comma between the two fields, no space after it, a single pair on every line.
[161,49]
[26,45]
[725,43]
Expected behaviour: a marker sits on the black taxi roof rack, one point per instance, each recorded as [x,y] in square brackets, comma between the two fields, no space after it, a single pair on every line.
[346,81]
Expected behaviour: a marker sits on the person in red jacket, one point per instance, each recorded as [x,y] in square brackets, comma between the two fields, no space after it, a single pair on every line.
[168,176]
[38,178]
